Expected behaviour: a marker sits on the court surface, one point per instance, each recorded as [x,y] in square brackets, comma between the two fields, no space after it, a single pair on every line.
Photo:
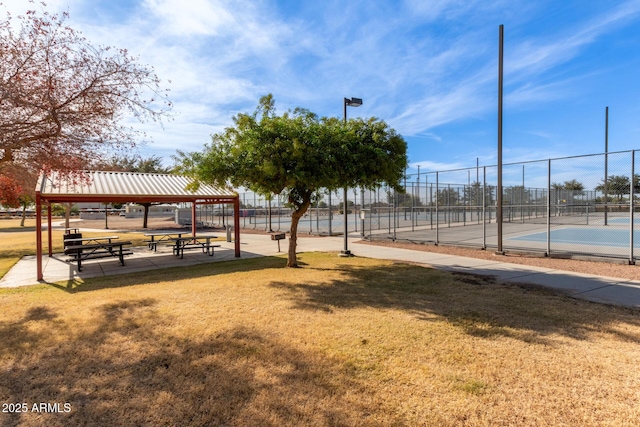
[585,236]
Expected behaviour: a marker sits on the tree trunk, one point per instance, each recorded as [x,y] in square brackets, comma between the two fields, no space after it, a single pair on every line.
[293,238]
[67,215]
[24,215]
[146,215]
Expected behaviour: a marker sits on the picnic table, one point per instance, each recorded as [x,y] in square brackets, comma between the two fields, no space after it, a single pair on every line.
[184,243]
[168,236]
[82,249]
[95,240]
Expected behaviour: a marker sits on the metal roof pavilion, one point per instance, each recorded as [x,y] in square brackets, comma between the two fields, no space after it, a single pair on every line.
[122,187]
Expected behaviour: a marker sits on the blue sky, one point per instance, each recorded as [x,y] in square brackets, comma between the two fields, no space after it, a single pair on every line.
[428,68]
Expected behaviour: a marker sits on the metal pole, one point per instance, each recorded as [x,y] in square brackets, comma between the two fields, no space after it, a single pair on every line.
[548,207]
[466,193]
[413,197]
[39,270]
[395,213]
[345,251]
[405,195]
[389,209]
[310,219]
[484,207]
[270,229]
[430,205]
[279,213]
[362,209]
[419,195]
[330,230]
[631,195]
[499,208]
[437,213]
[355,213]
[354,102]
[606,162]
[449,208]
[522,197]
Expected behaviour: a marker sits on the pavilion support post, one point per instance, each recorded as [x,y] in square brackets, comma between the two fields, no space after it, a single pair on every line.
[39,236]
[49,235]
[236,225]
[193,219]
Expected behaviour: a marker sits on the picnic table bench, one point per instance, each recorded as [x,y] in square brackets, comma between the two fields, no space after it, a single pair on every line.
[105,249]
[185,243]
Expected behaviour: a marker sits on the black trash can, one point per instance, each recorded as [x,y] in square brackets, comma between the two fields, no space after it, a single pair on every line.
[71,234]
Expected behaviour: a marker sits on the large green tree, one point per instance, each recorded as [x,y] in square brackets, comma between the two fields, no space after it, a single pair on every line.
[297,154]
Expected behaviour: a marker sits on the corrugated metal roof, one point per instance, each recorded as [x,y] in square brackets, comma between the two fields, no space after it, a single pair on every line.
[103,183]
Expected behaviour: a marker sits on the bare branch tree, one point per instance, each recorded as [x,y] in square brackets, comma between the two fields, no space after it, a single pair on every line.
[63,100]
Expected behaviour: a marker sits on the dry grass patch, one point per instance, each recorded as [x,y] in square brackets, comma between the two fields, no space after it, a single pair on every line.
[341,341]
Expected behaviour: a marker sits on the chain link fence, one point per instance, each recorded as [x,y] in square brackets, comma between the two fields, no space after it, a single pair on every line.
[572,206]
[558,207]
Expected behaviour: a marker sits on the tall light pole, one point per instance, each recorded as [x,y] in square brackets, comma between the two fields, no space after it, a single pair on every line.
[353,102]
[499,189]
[606,162]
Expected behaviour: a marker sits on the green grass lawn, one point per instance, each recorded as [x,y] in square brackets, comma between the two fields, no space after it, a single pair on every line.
[340,341]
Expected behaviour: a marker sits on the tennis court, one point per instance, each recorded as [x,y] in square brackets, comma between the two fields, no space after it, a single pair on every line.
[586,236]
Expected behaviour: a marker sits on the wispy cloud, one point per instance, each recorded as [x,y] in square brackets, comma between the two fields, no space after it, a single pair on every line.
[532,57]
[527,64]
[419,65]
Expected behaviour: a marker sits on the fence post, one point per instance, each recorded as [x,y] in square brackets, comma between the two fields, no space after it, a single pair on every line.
[310,218]
[437,210]
[484,207]
[631,195]
[362,209]
[330,230]
[395,213]
[413,198]
[430,205]
[449,205]
[548,207]
[355,213]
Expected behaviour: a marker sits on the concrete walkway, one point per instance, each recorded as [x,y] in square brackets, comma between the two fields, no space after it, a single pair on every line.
[600,289]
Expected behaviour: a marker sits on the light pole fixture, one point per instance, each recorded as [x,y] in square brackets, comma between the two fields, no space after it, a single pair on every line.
[348,102]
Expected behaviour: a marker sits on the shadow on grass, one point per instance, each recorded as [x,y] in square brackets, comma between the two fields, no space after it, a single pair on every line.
[18,229]
[150,277]
[477,305]
[125,367]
